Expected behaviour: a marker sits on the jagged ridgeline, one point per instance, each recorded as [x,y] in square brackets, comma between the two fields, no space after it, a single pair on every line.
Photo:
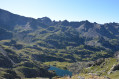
[27,43]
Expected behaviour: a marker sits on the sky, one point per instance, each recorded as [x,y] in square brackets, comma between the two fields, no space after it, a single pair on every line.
[100,11]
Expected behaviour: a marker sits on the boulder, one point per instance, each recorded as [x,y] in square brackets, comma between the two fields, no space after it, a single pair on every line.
[114,68]
[116,55]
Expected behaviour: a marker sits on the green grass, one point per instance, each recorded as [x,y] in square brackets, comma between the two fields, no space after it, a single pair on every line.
[103,69]
[62,65]
[114,75]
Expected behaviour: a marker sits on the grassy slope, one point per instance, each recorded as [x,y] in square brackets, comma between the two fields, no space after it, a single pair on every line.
[62,65]
[103,69]
[99,71]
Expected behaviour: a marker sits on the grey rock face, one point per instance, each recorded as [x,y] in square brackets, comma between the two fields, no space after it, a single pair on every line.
[116,55]
[114,68]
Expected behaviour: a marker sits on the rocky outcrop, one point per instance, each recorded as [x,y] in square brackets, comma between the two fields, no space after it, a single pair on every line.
[99,61]
[115,67]
[4,53]
[116,55]
[77,67]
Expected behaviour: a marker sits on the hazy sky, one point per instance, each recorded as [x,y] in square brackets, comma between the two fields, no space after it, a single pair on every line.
[100,11]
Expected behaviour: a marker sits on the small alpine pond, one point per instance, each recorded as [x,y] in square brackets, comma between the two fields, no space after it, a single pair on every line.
[60,72]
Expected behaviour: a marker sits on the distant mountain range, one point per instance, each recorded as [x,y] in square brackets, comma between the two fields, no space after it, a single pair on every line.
[44,40]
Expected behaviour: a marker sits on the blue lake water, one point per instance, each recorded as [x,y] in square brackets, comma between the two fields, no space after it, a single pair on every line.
[60,72]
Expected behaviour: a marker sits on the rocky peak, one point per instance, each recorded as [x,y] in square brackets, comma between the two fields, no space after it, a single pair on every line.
[65,23]
[45,20]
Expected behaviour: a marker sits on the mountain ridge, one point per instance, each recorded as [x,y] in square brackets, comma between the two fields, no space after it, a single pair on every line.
[33,42]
